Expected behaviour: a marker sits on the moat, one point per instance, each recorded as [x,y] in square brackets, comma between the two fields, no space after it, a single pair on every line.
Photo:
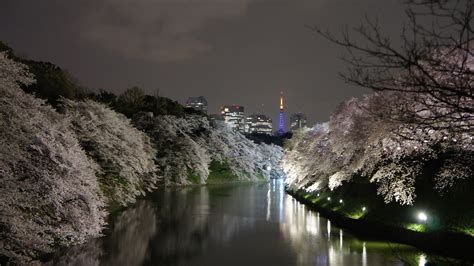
[247,224]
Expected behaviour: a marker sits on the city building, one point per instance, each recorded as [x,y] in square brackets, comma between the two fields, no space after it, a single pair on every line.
[281,125]
[297,121]
[234,116]
[216,117]
[197,103]
[258,123]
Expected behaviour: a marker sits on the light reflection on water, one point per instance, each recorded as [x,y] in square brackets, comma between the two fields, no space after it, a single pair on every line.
[230,225]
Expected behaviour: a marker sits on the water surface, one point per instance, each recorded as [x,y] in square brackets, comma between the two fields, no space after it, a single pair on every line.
[251,224]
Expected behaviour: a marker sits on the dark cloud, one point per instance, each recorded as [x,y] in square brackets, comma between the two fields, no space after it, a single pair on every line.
[160,30]
[230,51]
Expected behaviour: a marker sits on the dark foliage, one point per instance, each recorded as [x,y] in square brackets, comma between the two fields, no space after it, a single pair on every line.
[134,101]
[52,82]
[269,139]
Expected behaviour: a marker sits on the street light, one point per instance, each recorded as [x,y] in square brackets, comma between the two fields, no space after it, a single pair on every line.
[422,217]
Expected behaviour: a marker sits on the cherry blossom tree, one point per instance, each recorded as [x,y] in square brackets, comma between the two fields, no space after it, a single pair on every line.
[60,171]
[191,143]
[355,142]
[49,192]
[125,154]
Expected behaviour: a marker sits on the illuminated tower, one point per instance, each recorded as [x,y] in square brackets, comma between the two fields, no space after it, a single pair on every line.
[281,126]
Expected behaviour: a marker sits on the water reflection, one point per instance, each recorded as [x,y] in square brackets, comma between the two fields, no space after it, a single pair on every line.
[126,244]
[316,242]
[228,225]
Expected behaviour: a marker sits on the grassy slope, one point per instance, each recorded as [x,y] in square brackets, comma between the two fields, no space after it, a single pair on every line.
[219,173]
[453,211]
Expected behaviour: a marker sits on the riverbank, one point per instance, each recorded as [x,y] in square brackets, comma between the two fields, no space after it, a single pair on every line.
[69,161]
[439,241]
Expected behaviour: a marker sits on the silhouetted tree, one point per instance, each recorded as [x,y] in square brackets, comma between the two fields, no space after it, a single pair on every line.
[52,82]
[106,97]
[430,73]
[130,101]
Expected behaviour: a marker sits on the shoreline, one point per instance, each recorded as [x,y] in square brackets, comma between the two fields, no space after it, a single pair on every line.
[444,243]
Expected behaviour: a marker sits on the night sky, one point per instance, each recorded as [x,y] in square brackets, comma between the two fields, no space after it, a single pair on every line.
[230,51]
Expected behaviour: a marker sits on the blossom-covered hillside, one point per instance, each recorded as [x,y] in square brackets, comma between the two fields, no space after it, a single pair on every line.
[191,145]
[124,153]
[393,155]
[64,170]
[49,194]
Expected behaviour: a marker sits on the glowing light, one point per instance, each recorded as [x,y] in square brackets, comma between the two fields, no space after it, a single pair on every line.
[341,201]
[364,209]
[422,261]
[281,125]
[340,239]
[313,187]
[269,202]
[318,194]
[311,224]
[422,216]
[329,198]
[329,229]
[269,168]
[281,101]
[364,255]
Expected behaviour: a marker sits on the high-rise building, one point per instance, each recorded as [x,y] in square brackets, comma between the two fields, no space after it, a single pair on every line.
[297,121]
[281,125]
[197,103]
[258,123]
[233,116]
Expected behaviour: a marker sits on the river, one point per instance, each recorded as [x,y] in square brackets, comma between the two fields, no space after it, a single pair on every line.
[245,224]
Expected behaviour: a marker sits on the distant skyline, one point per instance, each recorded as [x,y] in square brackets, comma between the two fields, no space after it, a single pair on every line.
[230,51]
